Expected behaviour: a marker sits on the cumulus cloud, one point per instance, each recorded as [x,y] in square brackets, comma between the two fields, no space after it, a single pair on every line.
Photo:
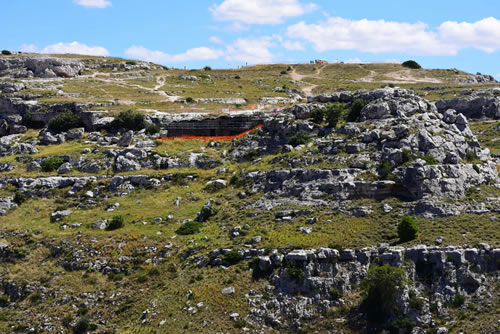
[483,35]
[28,48]
[75,48]
[215,40]
[260,11]
[377,36]
[293,45]
[93,3]
[251,50]
[195,54]
[353,61]
[369,36]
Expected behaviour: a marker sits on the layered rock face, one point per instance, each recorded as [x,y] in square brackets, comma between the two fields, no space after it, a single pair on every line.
[303,280]
[26,67]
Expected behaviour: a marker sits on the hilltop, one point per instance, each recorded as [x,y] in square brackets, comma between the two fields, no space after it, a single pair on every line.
[111,221]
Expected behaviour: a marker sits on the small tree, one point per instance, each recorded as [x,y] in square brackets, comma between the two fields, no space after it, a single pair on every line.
[381,289]
[207,68]
[334,113]
[64,121]
[130,120]
[6,52]
[151,129]
[19,198]
[407,229]
[51,164]
[300,138]
[318,116]
[412,64]
[355,111]
[191,227]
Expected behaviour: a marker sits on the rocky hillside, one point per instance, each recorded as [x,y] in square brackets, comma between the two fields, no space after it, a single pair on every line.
[342,199]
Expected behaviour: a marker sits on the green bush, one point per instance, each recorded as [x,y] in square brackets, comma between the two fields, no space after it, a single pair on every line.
[4,300]
[191,227]
[283,72]
[36,298]
[318,116]
[458,300]
[429,159]
[189,99]
[407,229]
[385,170]
[6,52]
[412,64]
[233,257]
[381,290]
[67,320]
[471,156]
[415,303]
[239,323]
[51,164]
[334,113]
[355,110]
[407,155]
[64,121]
[300,138]
[237,77]
[289,68]
[130,120]
[295,271]
[131,62]
[207,68]
[19,198]
[335,294]
[403,323]
[237,181]
[115,223]
[151,129]
[82,326]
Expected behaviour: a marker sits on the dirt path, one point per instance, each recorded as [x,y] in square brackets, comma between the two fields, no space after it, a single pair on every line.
[309,87]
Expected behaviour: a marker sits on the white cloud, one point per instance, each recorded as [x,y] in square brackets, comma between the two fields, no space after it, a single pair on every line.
[483,35]
[370,36]
[260,11]
[354,61]
[28,48]
[93,3]
[392,61]
[201,53]
[293,45]
[251,50]
[75,48]
[215,40]
[337,33]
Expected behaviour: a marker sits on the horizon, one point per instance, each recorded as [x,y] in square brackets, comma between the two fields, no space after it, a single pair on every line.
[232,33]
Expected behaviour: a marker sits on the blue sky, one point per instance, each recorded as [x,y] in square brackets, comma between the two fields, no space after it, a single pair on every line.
[226,33]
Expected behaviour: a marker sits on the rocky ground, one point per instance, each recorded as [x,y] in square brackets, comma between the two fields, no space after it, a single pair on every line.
[105,228]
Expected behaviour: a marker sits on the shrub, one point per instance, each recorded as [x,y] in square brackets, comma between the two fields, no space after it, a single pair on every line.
[334,113]
[407,155]
[407,229]
[403,323]
[458,300]
[289,68]
[233,257]
[295,271]
[204,76]
[130,120]
[189,99]
[283,72]
[237,77]
[381,289]
[36,298]
[355,111]
[191,227]
[429,159]
[115,223]
[415,302]
[385,170]
[67,320]
[151,129]
[131,62]
[300,138]
[4,300]
[19,198]
[335,294]
[239,323]
[318,116]
[471,156]
[82,326]
[412,64]
[6,52]
[64,121]
[52,164]
[207,68]
[237,181]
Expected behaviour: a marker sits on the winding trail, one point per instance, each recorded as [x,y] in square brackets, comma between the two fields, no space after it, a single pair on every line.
[309,87]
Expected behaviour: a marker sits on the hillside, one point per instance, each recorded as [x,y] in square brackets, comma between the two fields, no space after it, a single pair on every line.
[112,222]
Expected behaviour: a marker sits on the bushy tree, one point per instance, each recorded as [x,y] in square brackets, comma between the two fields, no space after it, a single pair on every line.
[334,113]
[318,116]
[407,229]
[412,64]
[355,111]
[64,122]
[381,288]
[300,138]
[52,164]
[130,120]
[191,227]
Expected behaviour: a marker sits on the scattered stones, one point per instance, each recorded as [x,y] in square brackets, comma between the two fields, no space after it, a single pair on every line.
[228,291]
